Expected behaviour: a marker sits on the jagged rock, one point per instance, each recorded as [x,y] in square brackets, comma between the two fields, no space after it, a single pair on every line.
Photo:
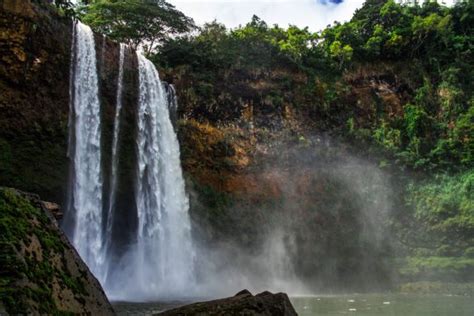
[54,209]
[243,303]
[40,271]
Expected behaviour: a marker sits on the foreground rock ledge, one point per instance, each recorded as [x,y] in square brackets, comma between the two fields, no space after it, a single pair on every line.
[243,303]
[40,271]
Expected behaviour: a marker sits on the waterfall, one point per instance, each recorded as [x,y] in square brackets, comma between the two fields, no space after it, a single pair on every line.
[114,170]
[85,191]
[172,103]
[158,260]
[164,251]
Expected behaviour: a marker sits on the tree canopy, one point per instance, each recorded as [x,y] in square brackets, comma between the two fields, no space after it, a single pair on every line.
[139,23]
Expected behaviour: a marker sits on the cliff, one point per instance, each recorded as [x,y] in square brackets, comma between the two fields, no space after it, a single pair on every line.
[34,72]
[34,103]
[271,143]
[34,81]
[255,161]
[41,272]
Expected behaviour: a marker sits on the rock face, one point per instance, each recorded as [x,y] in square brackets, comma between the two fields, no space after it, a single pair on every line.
[256,191]
[35,57]
[40,271]
[34,83]
[243,303]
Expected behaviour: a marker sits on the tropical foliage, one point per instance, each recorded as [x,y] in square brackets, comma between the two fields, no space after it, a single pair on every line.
[144,23]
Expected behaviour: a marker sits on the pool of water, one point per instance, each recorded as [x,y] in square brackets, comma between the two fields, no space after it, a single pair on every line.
[380,304]
[145,309]
[357,304]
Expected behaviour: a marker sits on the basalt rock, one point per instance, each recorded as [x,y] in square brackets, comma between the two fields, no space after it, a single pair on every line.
[243,303]
[35,58]
[40,272]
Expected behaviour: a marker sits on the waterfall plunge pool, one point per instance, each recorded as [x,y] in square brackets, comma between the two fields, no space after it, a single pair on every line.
[385,304]
[357,304]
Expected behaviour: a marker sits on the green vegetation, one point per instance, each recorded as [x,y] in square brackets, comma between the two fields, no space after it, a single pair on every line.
[444,210]
[436,129]
[144,23]
[63,7]
[438,288]
[433,129]
[27,269]
[438,268]
[223,71]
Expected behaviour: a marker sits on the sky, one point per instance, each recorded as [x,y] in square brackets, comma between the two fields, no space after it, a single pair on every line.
[315,14]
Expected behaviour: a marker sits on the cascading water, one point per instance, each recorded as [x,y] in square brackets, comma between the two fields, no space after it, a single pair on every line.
[172,103]
[164,250]
[85,191]
[114,170]
[159,263]
[159,260]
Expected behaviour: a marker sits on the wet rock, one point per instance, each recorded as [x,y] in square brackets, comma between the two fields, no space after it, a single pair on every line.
[54,209]
[243,303]
[40,272]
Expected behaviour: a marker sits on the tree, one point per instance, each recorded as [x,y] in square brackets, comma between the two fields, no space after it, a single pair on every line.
[65,7]
[139,23]
[342,53]
[368,16]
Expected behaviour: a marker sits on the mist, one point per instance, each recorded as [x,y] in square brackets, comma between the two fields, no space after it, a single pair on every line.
[323,229]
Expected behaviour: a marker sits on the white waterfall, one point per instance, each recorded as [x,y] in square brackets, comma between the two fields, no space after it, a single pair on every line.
[114,167]
[172,104]
[85,193]
[164,251]
[159,264]
[158,261]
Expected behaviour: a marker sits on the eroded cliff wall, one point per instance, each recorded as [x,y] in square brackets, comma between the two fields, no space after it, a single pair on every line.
[34,99]
[35,52]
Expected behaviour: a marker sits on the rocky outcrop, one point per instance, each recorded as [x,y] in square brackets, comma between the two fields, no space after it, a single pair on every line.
[35,58]
[380,91]
[40,271]
[243,303]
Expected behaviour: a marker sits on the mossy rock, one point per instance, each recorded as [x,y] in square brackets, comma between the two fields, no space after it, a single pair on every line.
[41,273]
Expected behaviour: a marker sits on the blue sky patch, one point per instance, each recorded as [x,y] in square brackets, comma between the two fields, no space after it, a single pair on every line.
[331,1]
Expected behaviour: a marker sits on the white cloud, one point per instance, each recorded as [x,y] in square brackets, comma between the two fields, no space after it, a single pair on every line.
[302,13]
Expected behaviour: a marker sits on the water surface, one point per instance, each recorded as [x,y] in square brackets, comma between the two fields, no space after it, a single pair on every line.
[380,304]
[357,305]
[142,309]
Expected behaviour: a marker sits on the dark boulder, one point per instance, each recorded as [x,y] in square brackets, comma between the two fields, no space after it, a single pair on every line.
[243,303]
